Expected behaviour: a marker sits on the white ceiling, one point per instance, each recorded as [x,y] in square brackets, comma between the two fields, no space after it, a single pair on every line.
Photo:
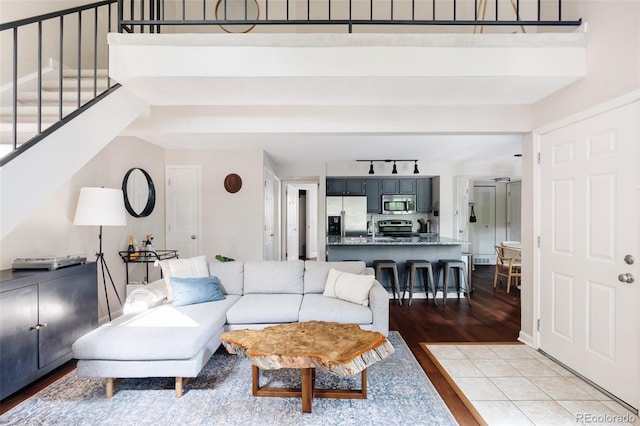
[341,99]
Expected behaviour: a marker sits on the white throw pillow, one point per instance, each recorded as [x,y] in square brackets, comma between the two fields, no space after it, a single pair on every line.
[194,267]
[353,288]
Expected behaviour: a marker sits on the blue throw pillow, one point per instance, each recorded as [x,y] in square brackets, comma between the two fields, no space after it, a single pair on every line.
[189,291]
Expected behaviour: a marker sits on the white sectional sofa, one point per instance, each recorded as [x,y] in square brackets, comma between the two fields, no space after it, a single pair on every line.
[155,338]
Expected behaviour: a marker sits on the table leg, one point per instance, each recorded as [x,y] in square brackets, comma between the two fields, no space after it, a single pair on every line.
[307,389]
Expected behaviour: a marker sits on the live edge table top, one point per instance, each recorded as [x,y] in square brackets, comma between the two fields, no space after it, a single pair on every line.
[342,349]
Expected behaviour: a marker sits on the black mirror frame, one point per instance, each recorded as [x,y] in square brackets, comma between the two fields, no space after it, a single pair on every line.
[151,198]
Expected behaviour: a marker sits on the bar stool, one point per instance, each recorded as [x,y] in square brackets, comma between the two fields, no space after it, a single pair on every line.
[414,266]
[459,269]
[392,268]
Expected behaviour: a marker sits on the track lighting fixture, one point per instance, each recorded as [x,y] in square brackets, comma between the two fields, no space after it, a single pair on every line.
[394,170]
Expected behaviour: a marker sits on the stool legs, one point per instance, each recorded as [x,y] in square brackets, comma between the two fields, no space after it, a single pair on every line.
[459,269]
[427,276]
[395,286]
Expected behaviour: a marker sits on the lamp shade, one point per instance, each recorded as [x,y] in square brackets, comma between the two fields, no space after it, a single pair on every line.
[100,207]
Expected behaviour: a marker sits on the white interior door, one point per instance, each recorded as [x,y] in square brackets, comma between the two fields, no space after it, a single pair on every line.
[182,193]
[462,210]
[589,224]
[270,213]
[484,229]
[514,211]
[292,223]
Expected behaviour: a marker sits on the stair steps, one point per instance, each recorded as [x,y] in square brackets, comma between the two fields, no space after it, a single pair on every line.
[91,85]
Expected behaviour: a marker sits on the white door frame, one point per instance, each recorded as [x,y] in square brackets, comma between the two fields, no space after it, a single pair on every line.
[312,231]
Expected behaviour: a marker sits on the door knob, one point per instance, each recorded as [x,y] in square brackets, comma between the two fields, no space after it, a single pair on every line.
[193,237]
[626,278]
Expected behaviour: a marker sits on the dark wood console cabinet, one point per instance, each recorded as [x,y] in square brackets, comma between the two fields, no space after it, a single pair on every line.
[42,313]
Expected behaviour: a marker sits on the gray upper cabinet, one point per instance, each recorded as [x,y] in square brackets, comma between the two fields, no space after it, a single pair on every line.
[399,186]
[390,186]
[423,195]
[373,188]
[335,186]
[343,186]
[355,187]
[407,186]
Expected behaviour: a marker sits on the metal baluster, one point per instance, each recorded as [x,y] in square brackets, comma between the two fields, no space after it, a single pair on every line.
[79,54]
[95,52]
[60,62]
[39,104]
[15,88]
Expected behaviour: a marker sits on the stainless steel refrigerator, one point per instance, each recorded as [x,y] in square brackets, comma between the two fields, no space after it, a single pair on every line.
[352,212]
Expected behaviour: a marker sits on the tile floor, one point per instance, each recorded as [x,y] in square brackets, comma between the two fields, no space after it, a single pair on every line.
[512,384]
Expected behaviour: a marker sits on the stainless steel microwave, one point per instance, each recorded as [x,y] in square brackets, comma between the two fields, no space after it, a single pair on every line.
[398,204]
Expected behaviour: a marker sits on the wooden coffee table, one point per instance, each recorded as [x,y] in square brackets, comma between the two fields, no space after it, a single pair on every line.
[341,349]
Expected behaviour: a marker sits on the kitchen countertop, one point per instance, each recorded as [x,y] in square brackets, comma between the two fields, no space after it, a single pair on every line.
[391,241]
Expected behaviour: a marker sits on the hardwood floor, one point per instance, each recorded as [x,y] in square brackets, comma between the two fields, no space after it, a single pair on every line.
[493,317]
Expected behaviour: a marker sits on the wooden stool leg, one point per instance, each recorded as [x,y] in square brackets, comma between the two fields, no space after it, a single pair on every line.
[109,388]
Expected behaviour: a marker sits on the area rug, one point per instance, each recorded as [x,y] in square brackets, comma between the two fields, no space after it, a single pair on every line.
[398,393]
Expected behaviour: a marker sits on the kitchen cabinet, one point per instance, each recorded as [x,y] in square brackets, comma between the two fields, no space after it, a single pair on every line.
[373,189]
[335,186]
[423,195]
[343,186]
[42,313]
[346,186]
[399,186]
[355,187]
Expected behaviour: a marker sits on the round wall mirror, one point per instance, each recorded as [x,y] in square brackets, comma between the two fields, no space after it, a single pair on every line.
[139,193]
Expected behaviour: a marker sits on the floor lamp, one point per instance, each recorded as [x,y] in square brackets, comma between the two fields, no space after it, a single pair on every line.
[101,207]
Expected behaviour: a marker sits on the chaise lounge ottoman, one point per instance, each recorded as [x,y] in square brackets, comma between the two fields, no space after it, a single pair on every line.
[167,341]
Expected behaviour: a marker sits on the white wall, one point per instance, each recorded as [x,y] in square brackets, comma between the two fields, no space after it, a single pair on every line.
[613,60]
[232,224]
[49,230]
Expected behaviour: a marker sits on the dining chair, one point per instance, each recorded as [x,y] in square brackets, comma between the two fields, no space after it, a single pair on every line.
[508,264]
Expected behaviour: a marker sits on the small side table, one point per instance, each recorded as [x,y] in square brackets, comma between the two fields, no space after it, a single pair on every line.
[146,257]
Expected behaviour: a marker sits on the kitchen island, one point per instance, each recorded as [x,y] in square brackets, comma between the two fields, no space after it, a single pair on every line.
[398,249]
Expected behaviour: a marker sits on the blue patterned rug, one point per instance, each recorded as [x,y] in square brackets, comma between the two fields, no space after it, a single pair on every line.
[398,393]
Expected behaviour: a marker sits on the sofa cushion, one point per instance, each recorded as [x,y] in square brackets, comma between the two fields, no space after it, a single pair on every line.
[230,275]
[353,288]
[320,308]
[265,309]
[187,291]
[315,273]
[273,277]
[193,267]
[164,332]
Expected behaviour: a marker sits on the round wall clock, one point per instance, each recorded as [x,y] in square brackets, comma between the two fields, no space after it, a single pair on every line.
[232,183]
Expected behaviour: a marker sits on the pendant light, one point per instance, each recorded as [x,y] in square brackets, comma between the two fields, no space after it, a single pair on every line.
[371,168]
[415,167]
[395,169]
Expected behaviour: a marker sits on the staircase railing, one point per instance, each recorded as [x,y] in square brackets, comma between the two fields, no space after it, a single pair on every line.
[244,15]
[71,39]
